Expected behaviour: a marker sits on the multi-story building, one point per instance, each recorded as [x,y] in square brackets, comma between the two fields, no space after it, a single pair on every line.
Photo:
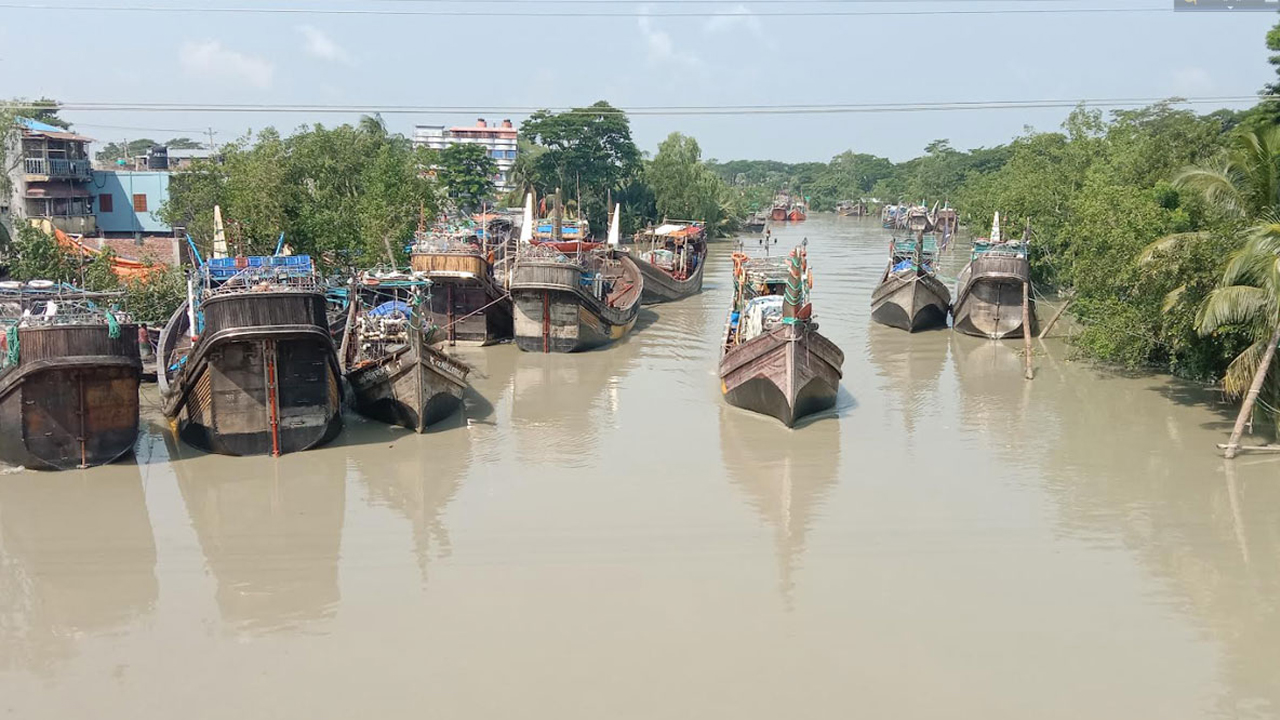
[126,202]
[51,178]
[498,140]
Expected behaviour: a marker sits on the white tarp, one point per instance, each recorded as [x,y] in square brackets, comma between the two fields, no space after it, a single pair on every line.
[667,229]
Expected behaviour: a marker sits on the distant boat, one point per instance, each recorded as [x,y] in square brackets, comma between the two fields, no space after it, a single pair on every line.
[69,381]
[798,212]
[671,257]
[773,360]
[247,364]
[781,210]
[756,221]
[910,296]
[989,289]
[849,208]
[394,373]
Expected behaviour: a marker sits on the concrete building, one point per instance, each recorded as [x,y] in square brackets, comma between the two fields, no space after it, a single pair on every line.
[498,140]
[51,177]
[126,201]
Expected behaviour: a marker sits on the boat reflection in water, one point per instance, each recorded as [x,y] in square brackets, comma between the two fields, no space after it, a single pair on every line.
[78,558]
[418,479]
[911,367]
[270,530]
[785,476]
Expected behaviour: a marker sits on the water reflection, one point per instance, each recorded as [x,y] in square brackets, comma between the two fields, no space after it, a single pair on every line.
[785,476]
[77,556]
[418,480]
[270,530]
[561,404]
[912,364]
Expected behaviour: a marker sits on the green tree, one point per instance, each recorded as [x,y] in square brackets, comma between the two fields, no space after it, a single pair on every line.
[1246,185]
[588,149]
[466,173]
[685,189]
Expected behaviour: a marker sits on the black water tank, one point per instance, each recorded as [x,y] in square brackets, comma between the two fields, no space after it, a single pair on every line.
[158,158]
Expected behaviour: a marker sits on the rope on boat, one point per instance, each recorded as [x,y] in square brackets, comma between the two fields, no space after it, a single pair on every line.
[505,296]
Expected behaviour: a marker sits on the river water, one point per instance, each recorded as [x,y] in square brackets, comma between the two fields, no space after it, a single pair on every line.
[601,537]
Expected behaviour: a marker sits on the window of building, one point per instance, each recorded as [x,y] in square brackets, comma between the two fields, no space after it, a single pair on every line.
[511,154]
[104,203]
[139,203]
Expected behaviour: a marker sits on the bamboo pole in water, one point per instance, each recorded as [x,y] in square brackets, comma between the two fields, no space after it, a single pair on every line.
[1026,304]
[1054,320]
[1246,410]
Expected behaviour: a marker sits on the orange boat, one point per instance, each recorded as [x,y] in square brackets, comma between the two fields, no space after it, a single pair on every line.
[798,212]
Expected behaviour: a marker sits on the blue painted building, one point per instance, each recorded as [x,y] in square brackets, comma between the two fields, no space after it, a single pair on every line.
[126,201]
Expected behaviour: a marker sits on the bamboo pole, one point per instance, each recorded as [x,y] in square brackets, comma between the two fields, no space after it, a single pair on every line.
[353,303]
[1026,327]
[1246,410]
[1054,320]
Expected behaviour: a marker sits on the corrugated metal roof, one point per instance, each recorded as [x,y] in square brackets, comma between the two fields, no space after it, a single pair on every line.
[35,127]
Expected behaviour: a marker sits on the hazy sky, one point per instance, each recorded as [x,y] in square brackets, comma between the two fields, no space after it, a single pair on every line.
[744,58]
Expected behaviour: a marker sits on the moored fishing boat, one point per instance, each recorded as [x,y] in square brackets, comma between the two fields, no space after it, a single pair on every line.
[989,290]
[798,212]
[395,375]
[572,300]
[467,300]
[849,208]
[69,378]
[671,258]
[756,221]
[781,210]
[773,359]
[247,365]
[910,296]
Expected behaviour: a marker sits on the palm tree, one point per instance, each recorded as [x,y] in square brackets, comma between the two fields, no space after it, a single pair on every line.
[1246,184]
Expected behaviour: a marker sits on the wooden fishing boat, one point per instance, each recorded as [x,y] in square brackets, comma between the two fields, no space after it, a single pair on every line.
[395,375]
[466,300]
[773,359]
[989,289]
[849,208]
[247,364]
[571,303]
[69,380]
[798,212]
[756,221]
[910,296]
[673,261]
[781,210]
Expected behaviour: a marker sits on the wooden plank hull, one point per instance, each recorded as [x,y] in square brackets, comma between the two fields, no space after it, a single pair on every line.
[796,215]
[989,297]
[779,214]
[413,388]
[660,287]
[465,301]
[788,373]
[554,313]
[262,380]
[72,401]
[910,302]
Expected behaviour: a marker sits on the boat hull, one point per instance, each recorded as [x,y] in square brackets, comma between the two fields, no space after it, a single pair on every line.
[989,298]
[796,215]
[910,302]
[262,380]
[466,303]
[779,214]
[72,401]
[789,373]
[413,388]
[660,286]
[553,313]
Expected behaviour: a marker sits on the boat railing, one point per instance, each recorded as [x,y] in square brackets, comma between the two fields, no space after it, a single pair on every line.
[267,279]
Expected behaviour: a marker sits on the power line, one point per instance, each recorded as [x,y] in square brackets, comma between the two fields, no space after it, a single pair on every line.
[652,110]
[583,14]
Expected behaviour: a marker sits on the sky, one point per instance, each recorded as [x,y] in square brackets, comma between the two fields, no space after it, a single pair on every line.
[744,56]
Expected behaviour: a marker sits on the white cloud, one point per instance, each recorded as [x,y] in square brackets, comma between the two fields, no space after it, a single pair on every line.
[1192,81]
[737,18]
[662,49]
[209,59]
[319,44]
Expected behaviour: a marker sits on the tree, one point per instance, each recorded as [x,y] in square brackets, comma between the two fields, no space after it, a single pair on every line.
[684,188]
[466,172]
[1246,185]
[45,110]
[587,149]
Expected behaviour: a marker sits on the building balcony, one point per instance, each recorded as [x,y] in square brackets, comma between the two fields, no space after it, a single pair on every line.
[56,168]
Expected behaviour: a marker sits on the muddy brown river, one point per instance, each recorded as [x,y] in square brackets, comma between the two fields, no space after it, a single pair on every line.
[602,537]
